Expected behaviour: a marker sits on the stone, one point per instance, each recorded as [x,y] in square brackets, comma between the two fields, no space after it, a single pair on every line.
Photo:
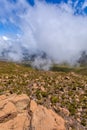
[21,122]
[20,101]
[9,111]
[64,111]
[45,119]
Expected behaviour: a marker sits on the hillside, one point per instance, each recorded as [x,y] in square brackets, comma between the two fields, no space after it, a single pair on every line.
[62,89]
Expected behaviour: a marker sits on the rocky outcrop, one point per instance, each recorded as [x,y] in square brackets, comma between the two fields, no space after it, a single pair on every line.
[18,112]
[45,119]
[13,112]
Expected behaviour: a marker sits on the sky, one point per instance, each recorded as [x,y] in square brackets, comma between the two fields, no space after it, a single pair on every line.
[55,27]
[9,27]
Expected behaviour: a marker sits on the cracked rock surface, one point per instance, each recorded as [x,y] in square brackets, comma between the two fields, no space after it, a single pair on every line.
[18,112]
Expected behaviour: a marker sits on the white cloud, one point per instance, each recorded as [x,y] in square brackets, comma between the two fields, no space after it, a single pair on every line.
[5,38]
[49,28]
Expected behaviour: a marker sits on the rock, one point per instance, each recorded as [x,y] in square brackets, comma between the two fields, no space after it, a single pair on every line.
[42,89]
[45,119]
[10,116]
[35,86]
[67,77]
[2,97]
[9,111]
[64,111]
[20,122]
[17,112]
[21,101]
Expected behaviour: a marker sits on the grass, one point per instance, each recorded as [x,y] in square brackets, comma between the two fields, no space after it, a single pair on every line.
[54,99]
[66,68]
[62,68]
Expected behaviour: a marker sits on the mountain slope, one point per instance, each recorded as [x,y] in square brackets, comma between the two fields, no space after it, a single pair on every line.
[64,92]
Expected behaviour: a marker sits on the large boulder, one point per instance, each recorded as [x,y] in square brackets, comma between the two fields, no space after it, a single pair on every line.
[17,112]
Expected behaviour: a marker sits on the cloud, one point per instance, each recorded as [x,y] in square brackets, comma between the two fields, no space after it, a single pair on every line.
[50,28]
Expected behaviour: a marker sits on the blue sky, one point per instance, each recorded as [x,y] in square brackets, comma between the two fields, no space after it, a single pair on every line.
[11,28]
[58,1]
[8,28]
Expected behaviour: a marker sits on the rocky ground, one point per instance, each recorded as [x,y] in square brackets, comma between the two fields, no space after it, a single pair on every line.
[65,93]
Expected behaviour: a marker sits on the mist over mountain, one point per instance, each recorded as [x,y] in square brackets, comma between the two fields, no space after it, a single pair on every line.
[44,33]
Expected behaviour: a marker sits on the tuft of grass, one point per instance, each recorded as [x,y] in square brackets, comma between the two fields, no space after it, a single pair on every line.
[54,99]
[72,108]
